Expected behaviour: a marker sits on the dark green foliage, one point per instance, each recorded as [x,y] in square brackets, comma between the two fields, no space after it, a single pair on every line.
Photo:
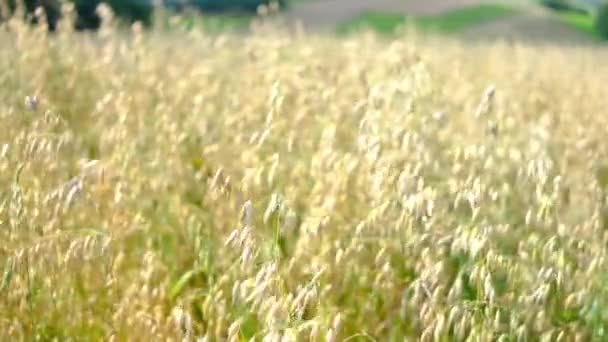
[556,4]
[51,9]
[87,18]
[231,5]
[601,22]
[561,5]
[129,11]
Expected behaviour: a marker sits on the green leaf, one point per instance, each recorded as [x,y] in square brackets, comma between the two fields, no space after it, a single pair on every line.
[602,176]
[9,270]
[182,282]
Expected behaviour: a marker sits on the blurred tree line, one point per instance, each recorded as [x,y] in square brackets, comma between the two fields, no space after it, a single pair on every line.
[127,10]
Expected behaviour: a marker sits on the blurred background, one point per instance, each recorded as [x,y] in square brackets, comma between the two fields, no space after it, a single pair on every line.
[544,20]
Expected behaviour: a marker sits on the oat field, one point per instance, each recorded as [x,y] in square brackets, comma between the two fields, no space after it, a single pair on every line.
[181,186]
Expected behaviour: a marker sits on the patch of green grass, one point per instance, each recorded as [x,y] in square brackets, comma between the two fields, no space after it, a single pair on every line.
[379,22]
[460,19]
[448,22]
[580,21]
[219,22]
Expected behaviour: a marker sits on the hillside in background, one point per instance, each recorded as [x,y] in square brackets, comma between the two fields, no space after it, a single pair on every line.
[471,19]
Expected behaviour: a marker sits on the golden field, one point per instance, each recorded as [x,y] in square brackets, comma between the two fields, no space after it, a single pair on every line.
[182,186]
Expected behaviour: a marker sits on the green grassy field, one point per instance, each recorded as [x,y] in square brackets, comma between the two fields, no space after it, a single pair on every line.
[449,22]
[161,186]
